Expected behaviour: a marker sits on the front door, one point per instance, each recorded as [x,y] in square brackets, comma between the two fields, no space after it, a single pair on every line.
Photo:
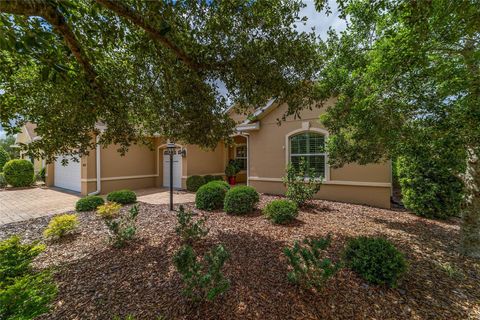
[177,169]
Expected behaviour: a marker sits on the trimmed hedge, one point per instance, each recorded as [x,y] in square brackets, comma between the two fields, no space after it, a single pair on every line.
[208,178]
[376,260]
[19,173]
[240,200]
[195,182]
[4,157]
[281,211]
[89,203]
[124,196]
[211,195]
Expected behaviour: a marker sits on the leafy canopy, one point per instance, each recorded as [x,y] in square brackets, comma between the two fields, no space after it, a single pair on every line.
[146,67]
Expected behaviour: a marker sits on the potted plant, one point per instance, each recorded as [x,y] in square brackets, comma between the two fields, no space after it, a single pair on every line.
[231,171]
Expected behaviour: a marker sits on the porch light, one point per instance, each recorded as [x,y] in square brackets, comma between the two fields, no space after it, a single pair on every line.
[171,152]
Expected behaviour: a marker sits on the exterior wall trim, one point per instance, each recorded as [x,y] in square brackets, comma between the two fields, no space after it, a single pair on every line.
[121,178]
[332,182]
[307,128]
[207,174]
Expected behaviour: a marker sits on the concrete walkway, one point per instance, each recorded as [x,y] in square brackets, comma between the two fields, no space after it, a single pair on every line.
[24,204]
[162,196]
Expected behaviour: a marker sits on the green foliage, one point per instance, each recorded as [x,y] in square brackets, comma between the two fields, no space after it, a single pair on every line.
[208,178]
[122,229]
[122,196]
[7,145]
[19,173]
[281,211]
[241,200]
[232,168]
[4,158]
[210,196]
[308,267]
[3,182]
[16,258]
[24,294]
[188,229]
[170,75]
[41,174]
[60,226]
[89,203]
[429,187]
[195,182]
[302,183]
[376,260]
[203,279]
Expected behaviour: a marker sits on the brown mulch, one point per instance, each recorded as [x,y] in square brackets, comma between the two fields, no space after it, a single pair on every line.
[98,282]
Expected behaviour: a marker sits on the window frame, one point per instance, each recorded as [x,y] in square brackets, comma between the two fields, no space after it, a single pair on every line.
[288,155]
[241,158]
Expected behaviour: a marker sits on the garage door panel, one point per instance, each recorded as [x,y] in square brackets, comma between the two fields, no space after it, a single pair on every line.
[68,176]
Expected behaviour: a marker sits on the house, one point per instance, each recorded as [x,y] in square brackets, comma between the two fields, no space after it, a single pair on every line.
[261,146]
[26,136]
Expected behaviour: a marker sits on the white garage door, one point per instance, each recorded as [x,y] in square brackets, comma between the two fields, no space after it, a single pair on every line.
[177,169]
[67,177]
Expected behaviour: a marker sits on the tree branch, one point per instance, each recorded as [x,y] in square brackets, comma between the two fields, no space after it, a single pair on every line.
[46,10]
[124,11]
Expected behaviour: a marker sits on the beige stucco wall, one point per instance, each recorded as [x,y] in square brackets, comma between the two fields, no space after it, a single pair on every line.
[368,184]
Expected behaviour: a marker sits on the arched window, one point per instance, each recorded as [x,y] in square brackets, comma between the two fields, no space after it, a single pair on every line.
[311,147]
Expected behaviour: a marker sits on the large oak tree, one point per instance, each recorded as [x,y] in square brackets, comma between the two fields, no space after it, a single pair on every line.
[146,67]
[406,75]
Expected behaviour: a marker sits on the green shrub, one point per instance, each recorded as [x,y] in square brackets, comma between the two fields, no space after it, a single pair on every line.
[308,268]
[376,260]
[429,188]
[19,173]
[281,211]
[41,174]
[60,226]
[89,203]
[122,196]
[302,183]
[241,200]
[209,178]
[122,229]
[188,229]
[3,182]
[24,294]
[211,195]
[109,210]
[195,182]
[4,158]
[203,279]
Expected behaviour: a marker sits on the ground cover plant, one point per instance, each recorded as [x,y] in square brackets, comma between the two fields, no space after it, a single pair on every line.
[109,210]
[60,226]
[24,293]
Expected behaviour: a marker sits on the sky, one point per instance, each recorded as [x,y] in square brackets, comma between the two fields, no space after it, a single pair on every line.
[317,20]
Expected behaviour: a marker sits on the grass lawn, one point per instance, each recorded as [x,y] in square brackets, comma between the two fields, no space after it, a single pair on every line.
[99,282]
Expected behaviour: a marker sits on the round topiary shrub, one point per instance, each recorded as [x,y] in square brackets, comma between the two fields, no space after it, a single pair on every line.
[376,260]
[195,182]
[4,157]
[19,173]
[281,211]
[124,196]
[210,196]
[240,200]
[89,203]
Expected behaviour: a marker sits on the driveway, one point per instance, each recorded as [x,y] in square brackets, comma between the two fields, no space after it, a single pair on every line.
[24,204]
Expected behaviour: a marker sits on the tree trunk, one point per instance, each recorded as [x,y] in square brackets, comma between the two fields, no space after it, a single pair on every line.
[470,230]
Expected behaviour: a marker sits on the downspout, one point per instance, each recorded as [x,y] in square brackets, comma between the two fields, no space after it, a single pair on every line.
[97,167]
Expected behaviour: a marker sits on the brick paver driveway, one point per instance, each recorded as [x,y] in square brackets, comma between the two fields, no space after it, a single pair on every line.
[18,205]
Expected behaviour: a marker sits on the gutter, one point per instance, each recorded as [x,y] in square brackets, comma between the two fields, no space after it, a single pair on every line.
[97,167]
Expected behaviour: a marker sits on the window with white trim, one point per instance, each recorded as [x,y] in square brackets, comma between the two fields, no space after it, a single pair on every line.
[311,147]
[241,156]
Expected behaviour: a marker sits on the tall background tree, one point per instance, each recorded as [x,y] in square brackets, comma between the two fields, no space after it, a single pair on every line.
[406,74]
[146,67]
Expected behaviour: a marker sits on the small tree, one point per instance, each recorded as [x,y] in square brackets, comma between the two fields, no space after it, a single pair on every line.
[302,183]
[188,229]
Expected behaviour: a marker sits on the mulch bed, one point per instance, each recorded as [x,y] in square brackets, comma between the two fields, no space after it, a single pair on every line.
[99,282]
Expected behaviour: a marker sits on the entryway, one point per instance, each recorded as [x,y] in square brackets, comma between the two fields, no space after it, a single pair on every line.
[177,169]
